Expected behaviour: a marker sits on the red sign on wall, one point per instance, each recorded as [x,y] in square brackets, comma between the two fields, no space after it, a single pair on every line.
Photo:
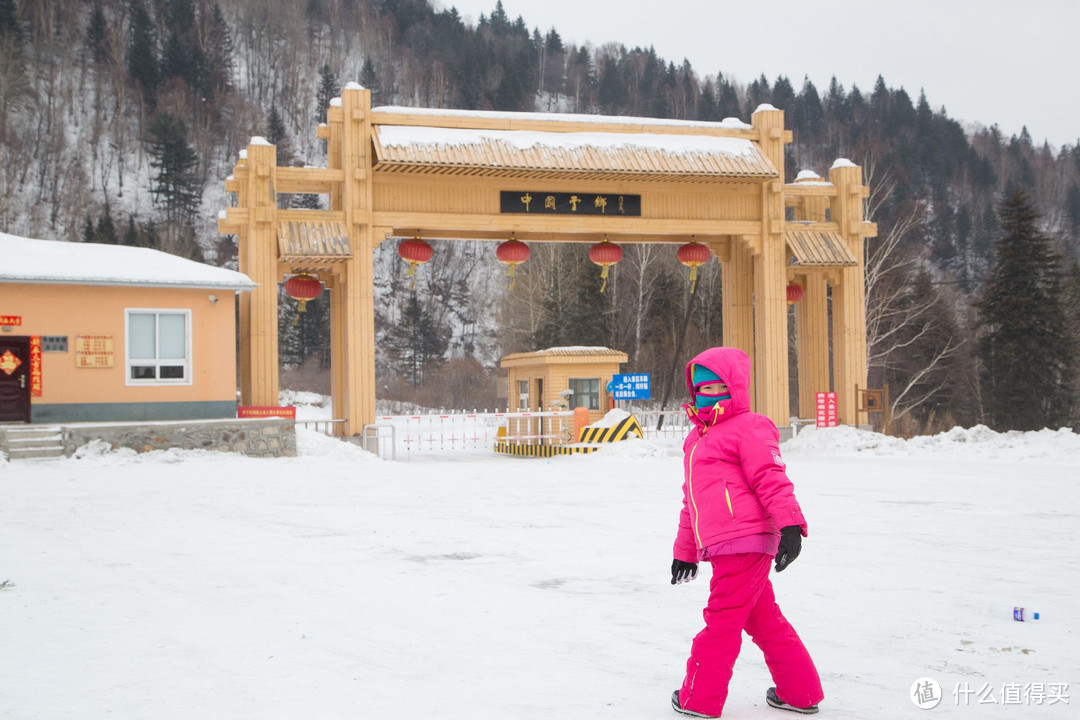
[35,366]
[826,409]
[11,320]
[256,411]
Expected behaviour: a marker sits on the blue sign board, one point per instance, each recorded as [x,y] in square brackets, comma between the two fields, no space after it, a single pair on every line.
[630,387]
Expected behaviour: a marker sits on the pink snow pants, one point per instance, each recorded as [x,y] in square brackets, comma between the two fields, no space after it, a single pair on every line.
[741,598]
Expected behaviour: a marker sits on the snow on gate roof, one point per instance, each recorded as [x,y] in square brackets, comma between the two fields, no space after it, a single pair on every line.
[27,260]
[494,152]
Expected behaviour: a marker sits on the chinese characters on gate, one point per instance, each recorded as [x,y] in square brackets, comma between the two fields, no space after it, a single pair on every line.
[549,203]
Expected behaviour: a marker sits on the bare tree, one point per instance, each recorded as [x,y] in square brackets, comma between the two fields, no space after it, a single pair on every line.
[899,318]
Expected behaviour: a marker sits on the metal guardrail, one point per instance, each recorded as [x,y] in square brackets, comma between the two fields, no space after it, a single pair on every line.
[479,430]
[380,439]
[326,427]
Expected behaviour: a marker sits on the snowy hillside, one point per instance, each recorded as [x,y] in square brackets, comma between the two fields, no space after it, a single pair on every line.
[179,585]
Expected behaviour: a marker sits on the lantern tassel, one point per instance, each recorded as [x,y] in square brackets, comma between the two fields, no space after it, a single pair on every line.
[603,276]
[693,278]
[511,274]
[411,273]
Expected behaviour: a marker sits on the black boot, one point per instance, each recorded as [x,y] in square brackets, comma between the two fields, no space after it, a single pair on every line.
[772,699]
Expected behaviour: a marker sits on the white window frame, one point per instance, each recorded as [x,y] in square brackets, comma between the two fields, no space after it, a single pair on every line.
[157,362]
[576,397]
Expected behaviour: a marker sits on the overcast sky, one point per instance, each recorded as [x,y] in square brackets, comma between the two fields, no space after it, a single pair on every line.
[987,61]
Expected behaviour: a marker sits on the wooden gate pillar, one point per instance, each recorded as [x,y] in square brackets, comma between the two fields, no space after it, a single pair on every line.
[770,278]
[355,333]
[255,221]
[849,292]
[812,319]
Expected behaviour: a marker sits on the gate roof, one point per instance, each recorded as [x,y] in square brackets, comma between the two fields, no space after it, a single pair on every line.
[619,148]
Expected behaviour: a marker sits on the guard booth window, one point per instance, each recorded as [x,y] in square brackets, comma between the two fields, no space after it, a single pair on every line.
[586,393]
[523,394]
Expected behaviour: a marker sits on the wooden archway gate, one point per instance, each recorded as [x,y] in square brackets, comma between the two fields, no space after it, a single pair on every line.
[401,172]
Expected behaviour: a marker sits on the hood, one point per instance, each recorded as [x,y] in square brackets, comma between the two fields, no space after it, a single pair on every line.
[733,366]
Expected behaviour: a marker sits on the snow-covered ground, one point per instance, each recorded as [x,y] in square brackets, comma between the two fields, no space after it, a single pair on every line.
[181,585]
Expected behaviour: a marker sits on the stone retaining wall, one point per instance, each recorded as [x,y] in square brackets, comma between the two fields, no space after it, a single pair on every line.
[269,437]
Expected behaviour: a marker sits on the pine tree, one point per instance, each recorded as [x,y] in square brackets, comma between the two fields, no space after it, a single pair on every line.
[105,232]
[368,77]
[1027,344]
[88,230]
[417,342]
[176,182]
[131,235]
[9,20]
[277,135]
[142,54]
[217,79]
[95,33]
[327,92]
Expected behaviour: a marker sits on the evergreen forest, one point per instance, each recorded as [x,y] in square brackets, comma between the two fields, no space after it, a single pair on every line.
[120,120]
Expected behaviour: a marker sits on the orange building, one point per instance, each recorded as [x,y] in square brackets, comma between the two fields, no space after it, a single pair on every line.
[112,333]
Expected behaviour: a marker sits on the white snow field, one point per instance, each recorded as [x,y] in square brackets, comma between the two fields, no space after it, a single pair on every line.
[468,585]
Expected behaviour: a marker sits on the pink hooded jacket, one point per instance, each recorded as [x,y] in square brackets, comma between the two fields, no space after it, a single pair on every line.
[736,493]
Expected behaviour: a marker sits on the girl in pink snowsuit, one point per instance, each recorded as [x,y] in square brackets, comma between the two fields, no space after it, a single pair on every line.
[739,511]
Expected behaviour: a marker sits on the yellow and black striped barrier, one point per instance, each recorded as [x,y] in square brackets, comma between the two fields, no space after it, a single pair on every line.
[591,439]
[542,450]
[626,427]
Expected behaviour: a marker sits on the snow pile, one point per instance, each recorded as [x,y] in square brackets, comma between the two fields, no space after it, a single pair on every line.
[979,441]
[611,419]
[633,448]
[296,398]
[312,444]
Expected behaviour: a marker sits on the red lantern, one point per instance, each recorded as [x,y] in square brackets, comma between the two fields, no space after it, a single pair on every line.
[513,252]
[605,254]
[415,252]
[795,293]
[693,254]
[303,287]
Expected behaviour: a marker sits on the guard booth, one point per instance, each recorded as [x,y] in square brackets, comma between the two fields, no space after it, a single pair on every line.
[562,378]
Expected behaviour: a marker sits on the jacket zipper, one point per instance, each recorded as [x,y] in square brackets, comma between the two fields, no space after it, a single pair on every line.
[690,479]
[690,490]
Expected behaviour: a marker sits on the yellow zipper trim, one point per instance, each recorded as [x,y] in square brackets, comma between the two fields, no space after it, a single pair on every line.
[690,489]
[690,480]
[727,496]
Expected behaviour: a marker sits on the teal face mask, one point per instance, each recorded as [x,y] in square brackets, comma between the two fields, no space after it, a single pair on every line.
[702,401]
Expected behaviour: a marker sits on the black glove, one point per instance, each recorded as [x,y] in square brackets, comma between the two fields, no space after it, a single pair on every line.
[682,572]
[790,546]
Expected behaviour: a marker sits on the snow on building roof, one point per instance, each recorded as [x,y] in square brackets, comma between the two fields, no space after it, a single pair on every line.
[27,260]
[566,354]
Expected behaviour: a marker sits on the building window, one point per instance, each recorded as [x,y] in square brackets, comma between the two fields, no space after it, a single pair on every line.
[158,347]
[523,394]
[586,393]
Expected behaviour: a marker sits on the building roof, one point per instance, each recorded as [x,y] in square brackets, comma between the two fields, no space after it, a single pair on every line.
[26,260]
[593,155]
[818,248]
[567,354]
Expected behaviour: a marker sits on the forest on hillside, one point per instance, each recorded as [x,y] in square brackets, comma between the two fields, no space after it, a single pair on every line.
[120,119]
